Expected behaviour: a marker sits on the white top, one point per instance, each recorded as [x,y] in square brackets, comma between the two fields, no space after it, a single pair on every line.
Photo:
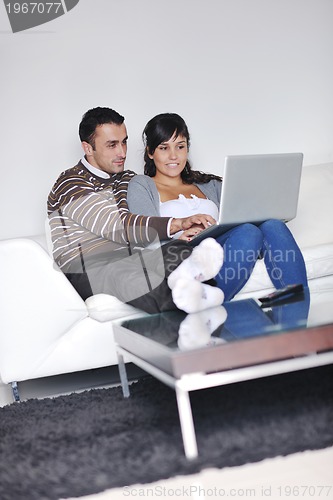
[185,207]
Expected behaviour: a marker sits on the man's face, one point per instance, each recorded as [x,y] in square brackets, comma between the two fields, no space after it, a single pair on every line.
[109,153]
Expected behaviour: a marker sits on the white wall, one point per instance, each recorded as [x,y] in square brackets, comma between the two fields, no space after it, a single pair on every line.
[249,76]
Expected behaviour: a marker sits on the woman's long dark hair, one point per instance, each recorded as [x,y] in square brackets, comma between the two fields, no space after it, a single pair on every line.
[160,129]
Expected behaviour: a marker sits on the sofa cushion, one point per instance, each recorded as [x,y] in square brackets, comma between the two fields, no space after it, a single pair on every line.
[103,307]
[318,260]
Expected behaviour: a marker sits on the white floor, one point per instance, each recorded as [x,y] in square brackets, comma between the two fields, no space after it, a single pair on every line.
[303,476]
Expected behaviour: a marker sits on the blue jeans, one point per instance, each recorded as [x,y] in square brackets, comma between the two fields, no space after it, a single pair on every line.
[273,242]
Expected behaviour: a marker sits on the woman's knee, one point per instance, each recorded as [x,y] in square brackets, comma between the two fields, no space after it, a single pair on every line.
[273,225]
[275,228]
[251,234]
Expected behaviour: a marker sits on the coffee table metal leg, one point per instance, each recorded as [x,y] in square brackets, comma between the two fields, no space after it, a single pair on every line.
[123,375]
[186,423]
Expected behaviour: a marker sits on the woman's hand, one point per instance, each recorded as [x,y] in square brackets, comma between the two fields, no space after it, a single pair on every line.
[194,221]
[188,234]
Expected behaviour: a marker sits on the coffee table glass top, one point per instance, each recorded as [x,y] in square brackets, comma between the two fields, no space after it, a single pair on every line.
[238,333]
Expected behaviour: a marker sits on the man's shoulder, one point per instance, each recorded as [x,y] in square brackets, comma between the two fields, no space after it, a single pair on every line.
[78,171]
[121,179]
[126,175]
[71,183]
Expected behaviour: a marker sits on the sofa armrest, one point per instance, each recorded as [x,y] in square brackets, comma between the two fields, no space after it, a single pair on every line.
[38,303]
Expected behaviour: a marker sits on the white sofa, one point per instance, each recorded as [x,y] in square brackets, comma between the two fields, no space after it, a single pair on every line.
[47,329]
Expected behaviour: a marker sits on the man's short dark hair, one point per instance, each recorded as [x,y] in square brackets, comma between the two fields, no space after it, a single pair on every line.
[95,117]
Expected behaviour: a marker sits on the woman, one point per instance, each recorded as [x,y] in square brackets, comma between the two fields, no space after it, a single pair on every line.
[171,188]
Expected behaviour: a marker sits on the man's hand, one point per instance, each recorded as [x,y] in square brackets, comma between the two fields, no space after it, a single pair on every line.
[194,220]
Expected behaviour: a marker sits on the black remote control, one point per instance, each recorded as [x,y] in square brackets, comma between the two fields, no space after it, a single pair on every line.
[279,294]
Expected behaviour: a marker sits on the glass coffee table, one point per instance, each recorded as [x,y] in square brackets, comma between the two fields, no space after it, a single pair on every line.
[237,341]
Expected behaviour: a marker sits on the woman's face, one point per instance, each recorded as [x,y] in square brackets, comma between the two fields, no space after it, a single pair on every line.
[170,157]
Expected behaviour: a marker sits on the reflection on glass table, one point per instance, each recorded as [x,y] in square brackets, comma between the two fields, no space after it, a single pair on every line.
[233,321]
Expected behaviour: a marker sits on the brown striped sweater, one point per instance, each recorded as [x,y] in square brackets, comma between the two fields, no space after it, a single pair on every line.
[89,216]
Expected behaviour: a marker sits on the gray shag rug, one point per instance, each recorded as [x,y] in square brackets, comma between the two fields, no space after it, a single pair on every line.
[85,443]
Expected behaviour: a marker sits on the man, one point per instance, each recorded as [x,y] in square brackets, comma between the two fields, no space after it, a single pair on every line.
[103,248]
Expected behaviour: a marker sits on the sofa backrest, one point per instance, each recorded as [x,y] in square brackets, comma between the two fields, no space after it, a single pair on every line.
[313,223]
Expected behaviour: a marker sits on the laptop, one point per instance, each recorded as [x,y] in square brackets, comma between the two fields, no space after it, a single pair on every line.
[256,188]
